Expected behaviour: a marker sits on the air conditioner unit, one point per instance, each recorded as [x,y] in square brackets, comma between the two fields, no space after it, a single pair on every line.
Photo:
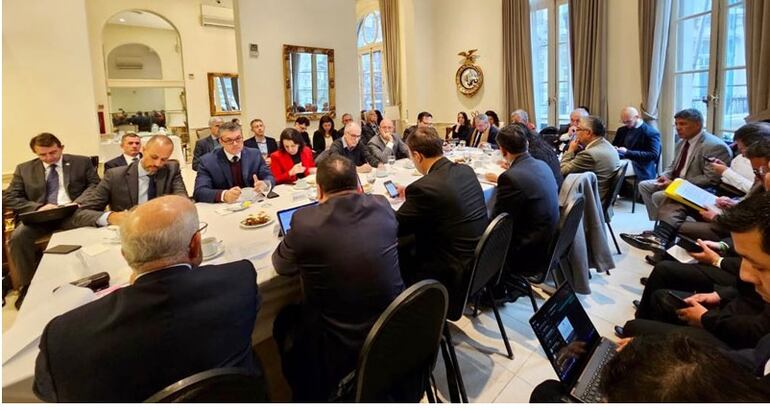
[217,16]
[129,63]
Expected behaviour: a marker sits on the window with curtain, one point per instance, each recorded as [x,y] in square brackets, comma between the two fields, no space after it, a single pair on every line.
[551,72]
[370,62]
[710,72]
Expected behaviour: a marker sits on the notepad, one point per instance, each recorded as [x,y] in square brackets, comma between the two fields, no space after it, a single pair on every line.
[687,193]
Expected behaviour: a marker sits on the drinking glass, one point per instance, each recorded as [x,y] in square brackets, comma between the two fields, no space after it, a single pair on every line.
[391,162]
[371,177]
[266,189]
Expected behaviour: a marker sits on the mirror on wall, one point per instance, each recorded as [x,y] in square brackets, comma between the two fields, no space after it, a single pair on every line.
[224,98]
[308,74]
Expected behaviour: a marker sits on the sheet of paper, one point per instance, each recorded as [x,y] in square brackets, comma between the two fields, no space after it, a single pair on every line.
[678,253]
[696,194]
[29,330]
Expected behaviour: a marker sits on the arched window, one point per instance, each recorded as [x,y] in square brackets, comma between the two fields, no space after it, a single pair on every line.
[370,62]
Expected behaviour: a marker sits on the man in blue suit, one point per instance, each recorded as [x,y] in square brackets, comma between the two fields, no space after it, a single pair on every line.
[223,172]
[639,143]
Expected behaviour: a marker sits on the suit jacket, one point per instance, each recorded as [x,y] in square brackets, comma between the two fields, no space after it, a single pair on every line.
[281,162]
[348,277]
[118,161]
[202,147]
[120,190]
[446,213]
[381,151]
[600,157]
[491,134]
[168,325]
[756,360]
[272,146]
[463,134]
[360,155]
[26,192]
[368,131]
[319,143]
[214,174]
[697,172]
[527,192]
[643,145]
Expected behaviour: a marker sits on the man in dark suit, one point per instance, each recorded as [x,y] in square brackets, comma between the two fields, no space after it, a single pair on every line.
[346,118]
[266,145]
[44,183]
[370,128]
[205,145]
[176,319]
[225,171]
[343,293]
[527,192]
[639,143]
[131,144]
[443,214]
[484,132]
[125,187]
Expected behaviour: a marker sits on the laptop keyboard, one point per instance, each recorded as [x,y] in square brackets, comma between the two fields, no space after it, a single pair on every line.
[592,392]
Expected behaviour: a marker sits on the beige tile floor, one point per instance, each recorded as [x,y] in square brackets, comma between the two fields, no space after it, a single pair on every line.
[488,374]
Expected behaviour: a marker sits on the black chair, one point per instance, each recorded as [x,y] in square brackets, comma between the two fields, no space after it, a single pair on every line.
[560,248]
[551,136]
[222,385]
[609,201]
[488,267]
[400,351]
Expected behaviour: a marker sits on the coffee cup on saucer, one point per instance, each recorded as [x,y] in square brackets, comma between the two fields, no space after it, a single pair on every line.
[209,246]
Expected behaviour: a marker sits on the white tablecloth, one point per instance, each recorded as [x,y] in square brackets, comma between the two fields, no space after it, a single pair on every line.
[257,245]
[111,149]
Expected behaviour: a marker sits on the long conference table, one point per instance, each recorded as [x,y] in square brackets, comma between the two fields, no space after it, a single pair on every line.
[100,252]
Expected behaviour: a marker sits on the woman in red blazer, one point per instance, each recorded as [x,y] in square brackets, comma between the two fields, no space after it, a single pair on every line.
[293,159]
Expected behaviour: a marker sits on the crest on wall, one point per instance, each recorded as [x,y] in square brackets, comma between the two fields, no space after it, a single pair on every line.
[469,77]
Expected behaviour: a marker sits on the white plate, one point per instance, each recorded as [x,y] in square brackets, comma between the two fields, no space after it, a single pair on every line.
[244,226]
[219,252]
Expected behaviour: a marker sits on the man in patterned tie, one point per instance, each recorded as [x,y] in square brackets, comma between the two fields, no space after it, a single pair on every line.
[44,183]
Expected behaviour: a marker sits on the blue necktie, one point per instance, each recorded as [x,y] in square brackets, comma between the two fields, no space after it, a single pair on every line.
[52,186]
[152,191]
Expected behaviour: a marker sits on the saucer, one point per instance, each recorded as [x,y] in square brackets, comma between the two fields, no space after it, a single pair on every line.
[219,252]
[296,188]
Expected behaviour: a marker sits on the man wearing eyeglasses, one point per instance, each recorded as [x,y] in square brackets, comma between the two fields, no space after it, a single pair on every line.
[225,171]
[589,151]
[208,144]
[350,147]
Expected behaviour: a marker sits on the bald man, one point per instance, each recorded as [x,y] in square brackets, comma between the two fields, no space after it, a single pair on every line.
[125,187]
[639,143]
[168,324]
[387,143]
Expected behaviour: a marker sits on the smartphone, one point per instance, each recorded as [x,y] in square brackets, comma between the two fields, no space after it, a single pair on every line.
[688,244]
[391,188]
[709,159]
[271,195]
[676,300]
[95,282]
[62,249]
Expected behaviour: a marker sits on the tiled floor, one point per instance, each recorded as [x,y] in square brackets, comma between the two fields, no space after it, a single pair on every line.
[488,374]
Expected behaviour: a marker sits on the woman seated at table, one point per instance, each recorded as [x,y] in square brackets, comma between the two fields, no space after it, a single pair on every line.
[293,159]
[324,135]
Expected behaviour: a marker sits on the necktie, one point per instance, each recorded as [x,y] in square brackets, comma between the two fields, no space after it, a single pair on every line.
[52,186]
[152,191]
[682,159]
[135,160]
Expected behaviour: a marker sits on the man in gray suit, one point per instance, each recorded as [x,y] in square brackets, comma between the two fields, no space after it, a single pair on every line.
[596,155]
[44,183]
[205,145]
[689,163]
[125,187]
[387,143]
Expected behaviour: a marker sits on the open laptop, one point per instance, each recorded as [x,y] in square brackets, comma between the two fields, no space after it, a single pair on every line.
[54,214]
[284,217]
[576,350]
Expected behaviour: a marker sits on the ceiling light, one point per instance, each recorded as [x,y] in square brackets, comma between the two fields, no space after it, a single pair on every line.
[122,20]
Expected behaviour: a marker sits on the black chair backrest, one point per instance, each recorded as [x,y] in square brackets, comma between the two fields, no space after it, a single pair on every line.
[222,385]
[563,239]
[490,255]
[400,350]
[550,135]
[95,161]
[617,184]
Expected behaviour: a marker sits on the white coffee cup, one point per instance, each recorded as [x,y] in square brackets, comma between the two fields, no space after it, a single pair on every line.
[209,246]
[301,184]
[113,233]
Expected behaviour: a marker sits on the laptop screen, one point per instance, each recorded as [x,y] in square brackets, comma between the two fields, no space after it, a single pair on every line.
[284,217]
[566,333]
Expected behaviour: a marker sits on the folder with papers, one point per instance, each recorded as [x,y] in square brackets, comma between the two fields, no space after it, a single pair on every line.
[691,195]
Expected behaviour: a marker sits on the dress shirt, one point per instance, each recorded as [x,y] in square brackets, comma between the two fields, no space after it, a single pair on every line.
[262,145]
[740,174]
[62,197]
[144,186]
[129,159]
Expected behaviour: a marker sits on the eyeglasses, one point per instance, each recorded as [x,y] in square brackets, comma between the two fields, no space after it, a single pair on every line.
[355,136]
[760,172]
[232,141]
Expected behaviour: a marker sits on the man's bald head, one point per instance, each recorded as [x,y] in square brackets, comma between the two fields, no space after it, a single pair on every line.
[629,116]
[156,153]
[160,233]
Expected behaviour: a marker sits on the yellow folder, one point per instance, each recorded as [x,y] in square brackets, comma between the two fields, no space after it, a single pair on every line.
[689,194]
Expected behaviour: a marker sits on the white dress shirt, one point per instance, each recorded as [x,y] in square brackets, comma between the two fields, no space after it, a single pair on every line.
[143,188]
[62,197]
[740,174]
[129,158]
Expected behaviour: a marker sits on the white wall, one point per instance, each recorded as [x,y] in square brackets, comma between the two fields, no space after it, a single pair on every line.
[164,42]
[204,49]
[273,23]
[47,78]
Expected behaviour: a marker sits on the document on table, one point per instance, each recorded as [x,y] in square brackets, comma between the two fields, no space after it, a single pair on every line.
[28,331]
